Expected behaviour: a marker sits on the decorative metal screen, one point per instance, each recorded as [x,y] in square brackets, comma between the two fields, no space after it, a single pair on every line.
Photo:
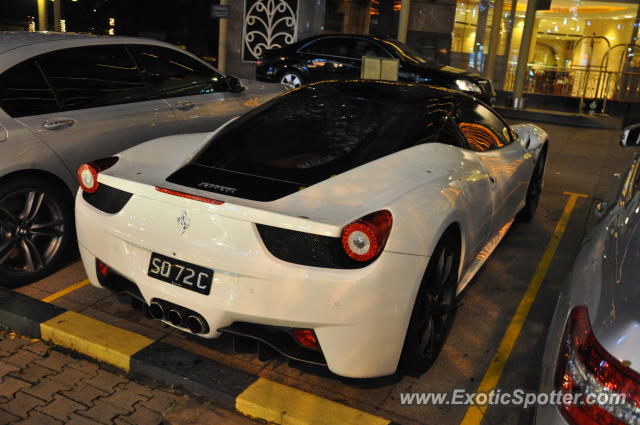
[268,24]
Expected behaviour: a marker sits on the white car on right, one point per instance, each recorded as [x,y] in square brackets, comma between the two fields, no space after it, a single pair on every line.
[592,354]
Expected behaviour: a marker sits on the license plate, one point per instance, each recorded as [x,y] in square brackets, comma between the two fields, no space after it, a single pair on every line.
[180,273]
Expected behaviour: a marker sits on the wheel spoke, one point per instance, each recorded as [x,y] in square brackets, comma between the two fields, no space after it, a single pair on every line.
[47,225]
[32,205]
[32,257]
[7,247]
[8,217]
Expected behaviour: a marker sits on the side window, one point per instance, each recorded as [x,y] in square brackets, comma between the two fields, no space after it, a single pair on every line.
[364,47]
[89,77]
[25,92]
[331,46]
[482,128]
[170,73]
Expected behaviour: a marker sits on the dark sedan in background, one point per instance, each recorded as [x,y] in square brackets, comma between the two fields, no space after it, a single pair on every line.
[329,57]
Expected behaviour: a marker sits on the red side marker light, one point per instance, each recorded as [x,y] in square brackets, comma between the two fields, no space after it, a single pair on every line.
[306,338]
[103,269]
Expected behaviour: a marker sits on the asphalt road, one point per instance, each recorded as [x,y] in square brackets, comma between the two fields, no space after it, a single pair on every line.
[581,161]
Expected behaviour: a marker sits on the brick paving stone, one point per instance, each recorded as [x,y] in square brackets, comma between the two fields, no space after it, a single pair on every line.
[7,418]
[61,408]
[9,386]
[38,347]
[5,368]
[37,418]
[123,398]
[161,401]
[54,360]
[143,416]
[46,389]
[105,380]
[76,419]
[22,404]
[84,393]
[33,373]
[22,358]
[103,412]
[138,389]
[11,345]
[84,366]
[70,376]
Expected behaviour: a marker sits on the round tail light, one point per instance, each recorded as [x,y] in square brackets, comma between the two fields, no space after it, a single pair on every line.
[88,173]
[364,239]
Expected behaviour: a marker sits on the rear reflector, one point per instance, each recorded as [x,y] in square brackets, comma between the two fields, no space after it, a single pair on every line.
[189,196]
[306,338]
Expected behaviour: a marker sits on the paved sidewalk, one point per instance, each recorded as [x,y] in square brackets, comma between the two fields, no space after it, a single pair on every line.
[42,386]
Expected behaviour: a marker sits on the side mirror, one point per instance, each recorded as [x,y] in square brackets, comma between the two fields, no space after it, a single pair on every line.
[631,136]
[235,85]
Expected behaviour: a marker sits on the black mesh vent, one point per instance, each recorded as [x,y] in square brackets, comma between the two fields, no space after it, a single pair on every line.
[307,249]
[107,199]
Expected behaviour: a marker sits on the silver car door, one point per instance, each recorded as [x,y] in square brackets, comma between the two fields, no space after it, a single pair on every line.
[508,165]
[103,107]
[198,94]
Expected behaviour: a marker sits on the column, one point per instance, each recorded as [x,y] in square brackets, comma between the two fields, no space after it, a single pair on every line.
[57,15]
[42,15]
[222,41]
[494,38]
[523,54]
[403,25]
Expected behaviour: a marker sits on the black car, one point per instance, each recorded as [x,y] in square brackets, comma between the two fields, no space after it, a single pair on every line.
[330,57]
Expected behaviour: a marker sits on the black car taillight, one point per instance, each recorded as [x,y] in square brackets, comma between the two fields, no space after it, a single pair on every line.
[584,367]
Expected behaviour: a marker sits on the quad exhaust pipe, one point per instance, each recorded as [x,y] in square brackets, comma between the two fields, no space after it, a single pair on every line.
[178,316]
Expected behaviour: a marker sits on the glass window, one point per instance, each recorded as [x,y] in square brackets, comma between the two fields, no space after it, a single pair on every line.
[169,73]
[24,91]
[364,47]
[310,135]
[482,128]
[89,77]
[332,46]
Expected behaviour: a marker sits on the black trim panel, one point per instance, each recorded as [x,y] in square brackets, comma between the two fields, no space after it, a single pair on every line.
[107,199]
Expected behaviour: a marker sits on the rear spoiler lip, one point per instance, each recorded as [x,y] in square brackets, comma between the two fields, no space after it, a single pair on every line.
[231,207]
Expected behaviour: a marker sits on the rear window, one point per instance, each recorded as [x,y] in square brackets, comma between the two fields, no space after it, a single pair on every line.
[310,135]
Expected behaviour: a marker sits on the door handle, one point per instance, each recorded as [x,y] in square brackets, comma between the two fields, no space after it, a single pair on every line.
[185,106]
[492,179]
[58,124]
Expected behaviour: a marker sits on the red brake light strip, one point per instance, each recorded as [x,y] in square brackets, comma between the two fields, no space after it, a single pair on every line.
[189,196]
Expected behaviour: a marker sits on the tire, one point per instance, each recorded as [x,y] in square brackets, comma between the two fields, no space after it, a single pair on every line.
[291,79]
[434,308]
[534,190]
[36,227]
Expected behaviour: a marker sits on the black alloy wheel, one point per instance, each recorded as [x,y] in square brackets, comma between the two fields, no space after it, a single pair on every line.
[534,190]
[434,308]
[36,220]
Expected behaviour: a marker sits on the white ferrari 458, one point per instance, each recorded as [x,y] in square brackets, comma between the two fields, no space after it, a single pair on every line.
[336,223]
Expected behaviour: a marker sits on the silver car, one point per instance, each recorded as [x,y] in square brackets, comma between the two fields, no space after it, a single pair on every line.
[67,99]
[592,356]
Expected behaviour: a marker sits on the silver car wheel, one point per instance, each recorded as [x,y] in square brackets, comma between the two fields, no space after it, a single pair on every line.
[31,231]
[291,80]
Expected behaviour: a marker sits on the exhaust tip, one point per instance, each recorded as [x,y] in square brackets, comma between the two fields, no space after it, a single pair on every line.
[175,318]
[156,311]
[196,325]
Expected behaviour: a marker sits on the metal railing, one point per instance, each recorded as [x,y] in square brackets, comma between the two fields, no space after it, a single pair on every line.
[593,83]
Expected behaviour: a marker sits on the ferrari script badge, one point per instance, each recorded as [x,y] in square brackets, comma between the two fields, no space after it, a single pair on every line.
[184,221]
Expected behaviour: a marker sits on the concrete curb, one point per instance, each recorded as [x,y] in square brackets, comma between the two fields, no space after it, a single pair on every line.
[139,356]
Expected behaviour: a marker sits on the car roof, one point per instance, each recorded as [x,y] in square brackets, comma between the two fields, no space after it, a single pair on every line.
[10,40]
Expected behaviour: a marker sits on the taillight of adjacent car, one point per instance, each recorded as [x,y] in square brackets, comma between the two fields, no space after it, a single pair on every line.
[364,239]
[585,367]
[88,173]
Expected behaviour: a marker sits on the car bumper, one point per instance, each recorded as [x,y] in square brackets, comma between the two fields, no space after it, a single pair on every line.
[359,316]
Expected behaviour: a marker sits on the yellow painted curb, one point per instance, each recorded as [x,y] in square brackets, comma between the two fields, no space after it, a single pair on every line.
[93,338]
[280,404]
